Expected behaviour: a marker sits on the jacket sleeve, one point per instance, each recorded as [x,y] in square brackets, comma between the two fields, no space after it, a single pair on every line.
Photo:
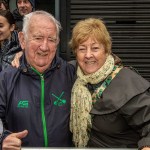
[1,128]
[3,98]
[3,133]
[137,113]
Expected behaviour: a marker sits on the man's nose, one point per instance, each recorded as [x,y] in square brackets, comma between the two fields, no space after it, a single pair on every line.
[44,45]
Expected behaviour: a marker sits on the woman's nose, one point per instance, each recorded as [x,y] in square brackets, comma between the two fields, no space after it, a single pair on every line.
[88,53]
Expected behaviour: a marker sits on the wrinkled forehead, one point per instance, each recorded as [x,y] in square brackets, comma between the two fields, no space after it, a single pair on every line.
[42,24]
[40,20]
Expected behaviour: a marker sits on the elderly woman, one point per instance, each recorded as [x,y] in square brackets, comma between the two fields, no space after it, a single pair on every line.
[110,102]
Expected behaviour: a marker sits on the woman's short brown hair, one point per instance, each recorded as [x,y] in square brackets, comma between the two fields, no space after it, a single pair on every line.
[90,27]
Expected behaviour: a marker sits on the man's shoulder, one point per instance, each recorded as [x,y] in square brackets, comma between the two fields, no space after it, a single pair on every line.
[9,73]
[67,68]
[70,64]
[65,63]
[16,15]
[73,62]
[15,11]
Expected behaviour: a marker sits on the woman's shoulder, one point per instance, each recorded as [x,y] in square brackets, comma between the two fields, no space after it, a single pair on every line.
[126,85]
[129,75]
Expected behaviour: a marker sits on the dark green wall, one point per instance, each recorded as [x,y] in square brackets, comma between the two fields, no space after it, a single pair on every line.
[47,5]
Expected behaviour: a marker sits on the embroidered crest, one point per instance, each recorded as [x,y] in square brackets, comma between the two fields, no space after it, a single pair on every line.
[59,100]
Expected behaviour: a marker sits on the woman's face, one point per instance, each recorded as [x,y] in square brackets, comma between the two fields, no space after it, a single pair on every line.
[5,29]
[90,56]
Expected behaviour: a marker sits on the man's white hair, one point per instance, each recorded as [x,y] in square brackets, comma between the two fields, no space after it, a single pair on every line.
[27,20]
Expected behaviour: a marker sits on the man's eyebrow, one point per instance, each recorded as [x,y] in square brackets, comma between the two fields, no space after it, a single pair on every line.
[52,37]
[37,35]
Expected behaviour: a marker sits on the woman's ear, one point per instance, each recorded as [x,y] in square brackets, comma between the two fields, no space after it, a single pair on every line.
[21,40]
[12,28]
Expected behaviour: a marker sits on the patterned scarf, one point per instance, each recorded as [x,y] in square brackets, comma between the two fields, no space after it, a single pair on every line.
[81,102]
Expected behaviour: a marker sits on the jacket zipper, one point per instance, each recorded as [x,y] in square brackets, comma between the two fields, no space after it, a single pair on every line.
[42,107]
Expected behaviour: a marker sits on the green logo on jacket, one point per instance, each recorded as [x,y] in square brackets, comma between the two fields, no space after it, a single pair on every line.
[23,104]
[59,101]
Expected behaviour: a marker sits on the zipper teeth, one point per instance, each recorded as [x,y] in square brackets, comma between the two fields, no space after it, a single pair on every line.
[42,111]
[42,107]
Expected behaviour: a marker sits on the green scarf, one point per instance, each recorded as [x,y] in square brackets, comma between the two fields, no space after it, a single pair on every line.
[81,101]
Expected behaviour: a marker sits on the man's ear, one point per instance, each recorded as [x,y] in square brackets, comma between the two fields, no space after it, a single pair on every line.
[21,40]
[58,41]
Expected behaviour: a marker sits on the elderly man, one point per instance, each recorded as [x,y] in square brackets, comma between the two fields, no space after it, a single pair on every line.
[23,7]
[35,98]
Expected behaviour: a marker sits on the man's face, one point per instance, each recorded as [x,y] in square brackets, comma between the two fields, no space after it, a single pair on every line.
[24,7]
[41,43]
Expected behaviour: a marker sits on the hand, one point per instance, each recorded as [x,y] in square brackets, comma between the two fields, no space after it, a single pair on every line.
[13,141]
[15,62]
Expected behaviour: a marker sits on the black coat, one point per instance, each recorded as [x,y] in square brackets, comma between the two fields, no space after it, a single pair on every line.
[18,20]
[8,50]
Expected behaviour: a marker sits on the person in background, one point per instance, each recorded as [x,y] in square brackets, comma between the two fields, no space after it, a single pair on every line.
[9,42]
[35,98]
[23,7]
[110,104]
[3,5]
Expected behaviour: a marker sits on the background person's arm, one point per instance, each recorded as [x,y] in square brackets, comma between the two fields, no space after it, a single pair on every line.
[15,62]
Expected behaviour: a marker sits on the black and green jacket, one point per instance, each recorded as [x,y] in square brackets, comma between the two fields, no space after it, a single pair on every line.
[38,102]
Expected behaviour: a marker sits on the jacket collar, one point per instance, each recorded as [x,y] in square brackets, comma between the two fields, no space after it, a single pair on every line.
[26,68]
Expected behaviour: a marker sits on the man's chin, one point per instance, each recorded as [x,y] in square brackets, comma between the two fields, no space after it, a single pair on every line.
[42,65]
[41,68]
[23,13]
